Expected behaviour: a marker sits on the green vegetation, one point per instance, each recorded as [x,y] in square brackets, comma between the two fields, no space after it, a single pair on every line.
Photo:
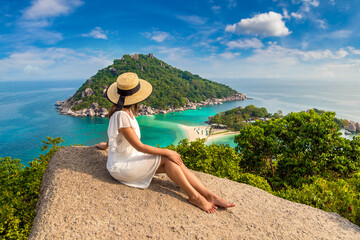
[300,157]
[342,123]
[235,118]
[170,85]
[218,160]
[304,159]
[19,191]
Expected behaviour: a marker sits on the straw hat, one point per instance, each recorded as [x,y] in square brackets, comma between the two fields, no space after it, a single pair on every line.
[128,89]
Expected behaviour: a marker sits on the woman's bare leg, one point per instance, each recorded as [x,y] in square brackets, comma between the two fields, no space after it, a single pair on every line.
[210,196]
[176,174]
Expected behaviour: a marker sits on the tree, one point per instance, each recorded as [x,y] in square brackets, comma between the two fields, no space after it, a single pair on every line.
[297,147]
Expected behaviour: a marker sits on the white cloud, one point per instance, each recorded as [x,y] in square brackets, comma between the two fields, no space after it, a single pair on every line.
[229,55]
[245,43]
[215,8]
[322,23]
[275,53]
[296,15]
[353,50]
[264,24]
[341,54]
[193,19]
[96,33]
[232,3]
[28,36]
[286,14]
[314,3]
[173,54]
[50,8]
[157,36]
[307,4]
[29,69]
[51,64]
[340,34]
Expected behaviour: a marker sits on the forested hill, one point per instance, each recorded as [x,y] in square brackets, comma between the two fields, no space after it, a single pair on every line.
[171,86]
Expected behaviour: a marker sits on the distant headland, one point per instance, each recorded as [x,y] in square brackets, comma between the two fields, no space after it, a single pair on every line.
[174,89]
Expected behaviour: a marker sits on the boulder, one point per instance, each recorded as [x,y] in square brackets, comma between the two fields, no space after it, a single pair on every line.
[135,56]
[89,81]
[357,127]
[59,103]
[104,92]
[94,105]
[112,70]
[351,127]
[87,93]
[78,102]
[91,112]
[104,111]
[80,200]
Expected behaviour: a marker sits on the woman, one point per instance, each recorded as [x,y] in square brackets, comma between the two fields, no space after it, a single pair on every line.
[133,163]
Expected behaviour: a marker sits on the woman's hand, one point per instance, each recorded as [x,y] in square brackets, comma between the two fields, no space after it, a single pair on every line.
[102,145]
[174,156]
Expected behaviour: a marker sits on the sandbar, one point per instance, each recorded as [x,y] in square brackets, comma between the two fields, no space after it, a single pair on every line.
[194,132]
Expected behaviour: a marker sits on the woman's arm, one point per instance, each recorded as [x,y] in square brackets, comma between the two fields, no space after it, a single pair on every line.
[133,139]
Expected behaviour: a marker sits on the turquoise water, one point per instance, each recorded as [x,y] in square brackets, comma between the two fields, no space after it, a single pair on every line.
[28,115]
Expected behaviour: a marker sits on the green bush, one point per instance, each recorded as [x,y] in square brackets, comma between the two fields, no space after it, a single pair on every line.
[218,160]
[255,181]
[341,196]
[19,191]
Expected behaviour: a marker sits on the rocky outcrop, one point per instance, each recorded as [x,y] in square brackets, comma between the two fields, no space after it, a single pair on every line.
[80,200]
[144,110]
[87,93]
[66,106]
[112,70]
[135,56]
[353,126]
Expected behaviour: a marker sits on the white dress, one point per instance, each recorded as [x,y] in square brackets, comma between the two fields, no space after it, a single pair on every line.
[125,163]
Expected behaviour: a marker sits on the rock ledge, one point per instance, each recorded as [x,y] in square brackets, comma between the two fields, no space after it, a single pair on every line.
[80,200]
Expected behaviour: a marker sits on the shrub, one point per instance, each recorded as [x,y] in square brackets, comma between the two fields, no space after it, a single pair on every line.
[339,196]
[19,191]
[255,181]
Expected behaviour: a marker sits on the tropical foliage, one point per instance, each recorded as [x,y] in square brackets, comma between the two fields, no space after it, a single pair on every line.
[304,159]
[300,157]
[171,86]
[19,191]
[235,119]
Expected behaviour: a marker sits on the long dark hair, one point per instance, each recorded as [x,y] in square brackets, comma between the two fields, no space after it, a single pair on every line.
[134,109]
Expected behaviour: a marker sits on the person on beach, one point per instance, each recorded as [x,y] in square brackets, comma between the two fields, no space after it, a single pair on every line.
[133,163]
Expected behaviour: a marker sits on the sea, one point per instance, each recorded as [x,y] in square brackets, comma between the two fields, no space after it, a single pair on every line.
[28,114]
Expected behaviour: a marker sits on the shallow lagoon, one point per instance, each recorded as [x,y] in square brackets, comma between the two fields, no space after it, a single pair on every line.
[28,115]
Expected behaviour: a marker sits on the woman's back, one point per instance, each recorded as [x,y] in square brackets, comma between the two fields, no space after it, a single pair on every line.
[125,163]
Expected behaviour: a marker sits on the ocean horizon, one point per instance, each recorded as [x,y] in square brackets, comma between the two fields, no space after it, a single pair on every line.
[28,114]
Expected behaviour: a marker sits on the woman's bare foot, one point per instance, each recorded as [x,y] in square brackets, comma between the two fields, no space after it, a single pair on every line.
[202,203]
[218,201]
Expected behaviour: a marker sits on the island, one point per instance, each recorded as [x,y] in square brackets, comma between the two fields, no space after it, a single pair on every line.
[173,89]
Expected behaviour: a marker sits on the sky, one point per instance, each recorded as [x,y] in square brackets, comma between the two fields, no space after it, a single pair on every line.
[216,39]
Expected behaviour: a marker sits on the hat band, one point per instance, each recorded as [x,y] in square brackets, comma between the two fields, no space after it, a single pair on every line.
[123,94]
[129,92]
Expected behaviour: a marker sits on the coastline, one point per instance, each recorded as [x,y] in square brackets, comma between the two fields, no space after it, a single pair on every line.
[65,107]
[194,132]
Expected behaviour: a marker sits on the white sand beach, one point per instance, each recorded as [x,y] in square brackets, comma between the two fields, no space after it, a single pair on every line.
[194,132]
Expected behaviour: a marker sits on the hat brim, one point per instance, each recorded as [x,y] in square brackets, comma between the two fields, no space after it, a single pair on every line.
[143,93]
